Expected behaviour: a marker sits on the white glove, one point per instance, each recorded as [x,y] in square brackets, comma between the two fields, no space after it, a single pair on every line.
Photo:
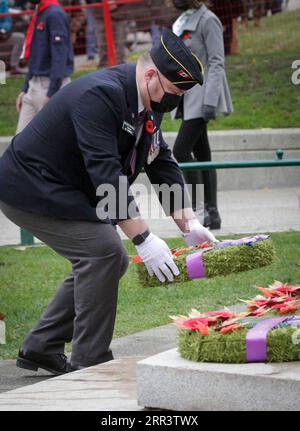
[198,233]
[157,258]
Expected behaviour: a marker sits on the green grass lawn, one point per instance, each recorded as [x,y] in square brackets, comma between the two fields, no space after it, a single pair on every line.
[28,280]
[260,80]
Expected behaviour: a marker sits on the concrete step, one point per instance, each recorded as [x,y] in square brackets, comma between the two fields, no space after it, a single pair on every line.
[106,387]
[167,381]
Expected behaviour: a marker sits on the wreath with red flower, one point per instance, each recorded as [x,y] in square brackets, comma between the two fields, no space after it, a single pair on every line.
[211,260]
[226,336]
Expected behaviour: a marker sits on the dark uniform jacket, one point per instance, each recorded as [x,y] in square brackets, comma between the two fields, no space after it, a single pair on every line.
[51,52]
[81,139]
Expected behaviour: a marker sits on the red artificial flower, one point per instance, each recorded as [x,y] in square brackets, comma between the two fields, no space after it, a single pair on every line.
[203,245]
[40,26]
[193,323]
[287,308]
[199,324]
[180,251]
[149,126]
[260,301]
[259,312]
[280,289]
[136,259]
[176,251]
[186,35]
[222,315]
[292,289]
[2,317]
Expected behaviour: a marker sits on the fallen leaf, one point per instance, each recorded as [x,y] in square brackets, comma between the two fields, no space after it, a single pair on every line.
[20,248]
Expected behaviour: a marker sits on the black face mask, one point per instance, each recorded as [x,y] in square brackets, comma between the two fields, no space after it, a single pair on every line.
[168,102]
[181,4]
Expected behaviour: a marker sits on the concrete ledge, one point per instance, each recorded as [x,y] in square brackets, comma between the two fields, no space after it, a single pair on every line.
[251,145]
[245,144]
[167,381]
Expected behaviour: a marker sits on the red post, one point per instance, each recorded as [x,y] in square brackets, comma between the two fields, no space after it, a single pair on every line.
[109,35]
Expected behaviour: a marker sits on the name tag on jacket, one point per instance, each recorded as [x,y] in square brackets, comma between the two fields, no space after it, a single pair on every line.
[129,128]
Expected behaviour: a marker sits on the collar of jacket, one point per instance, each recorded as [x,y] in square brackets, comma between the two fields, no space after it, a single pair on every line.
[194,19]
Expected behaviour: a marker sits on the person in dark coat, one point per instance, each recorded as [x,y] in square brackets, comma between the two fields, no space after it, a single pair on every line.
[66,179]
[202,32]
[49,53]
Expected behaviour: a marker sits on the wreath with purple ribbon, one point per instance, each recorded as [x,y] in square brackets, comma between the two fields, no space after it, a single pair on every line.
[220,259]
[268,331]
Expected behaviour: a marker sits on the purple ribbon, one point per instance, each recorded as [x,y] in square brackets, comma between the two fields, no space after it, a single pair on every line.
[195,265]
[194,262]
[256,339]
[242,241]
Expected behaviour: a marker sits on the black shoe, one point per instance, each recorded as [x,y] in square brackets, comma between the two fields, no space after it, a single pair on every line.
[212,218]
[56,363]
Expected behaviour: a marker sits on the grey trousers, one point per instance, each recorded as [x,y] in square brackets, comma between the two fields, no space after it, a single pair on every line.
[34,98]
[83,309]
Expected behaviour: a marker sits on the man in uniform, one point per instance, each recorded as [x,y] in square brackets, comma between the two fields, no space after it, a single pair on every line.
[92,133]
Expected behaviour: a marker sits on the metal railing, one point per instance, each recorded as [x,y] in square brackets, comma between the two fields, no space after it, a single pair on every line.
[28,239]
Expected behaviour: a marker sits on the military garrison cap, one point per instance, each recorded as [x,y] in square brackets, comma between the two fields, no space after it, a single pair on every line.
[176,61]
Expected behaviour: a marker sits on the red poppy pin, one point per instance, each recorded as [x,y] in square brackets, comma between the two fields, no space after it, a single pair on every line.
[186,35]
[149,126]
[40,26]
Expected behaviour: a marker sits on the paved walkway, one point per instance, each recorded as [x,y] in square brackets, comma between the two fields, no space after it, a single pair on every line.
[144,343]
[242,211]
[105,387]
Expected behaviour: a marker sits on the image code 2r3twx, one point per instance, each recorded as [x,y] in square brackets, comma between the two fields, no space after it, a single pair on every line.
[171,420]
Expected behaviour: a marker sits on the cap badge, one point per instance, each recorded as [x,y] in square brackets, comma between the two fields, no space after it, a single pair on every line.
[183,74]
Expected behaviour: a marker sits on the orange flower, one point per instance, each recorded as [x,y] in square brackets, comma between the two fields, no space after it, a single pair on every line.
[269,293]
[203,245]
[288,308]
[280,289]
[230,328]
[136,259]
[203,328]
